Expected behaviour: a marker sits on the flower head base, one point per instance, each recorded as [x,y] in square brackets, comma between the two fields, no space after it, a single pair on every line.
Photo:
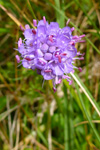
[49,49]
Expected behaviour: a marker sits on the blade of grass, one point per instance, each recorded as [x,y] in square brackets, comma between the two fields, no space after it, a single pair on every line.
[49,135]
[4,39]
[58,101]
[23,14]
[39,133]
[66,125]
[69,128]
[86,122]
[73,93]
[57,3]
[11,16]
[68,5]
[30,7]
[86,92]
[6,113]
[71,122]
[86,113]
[60,19]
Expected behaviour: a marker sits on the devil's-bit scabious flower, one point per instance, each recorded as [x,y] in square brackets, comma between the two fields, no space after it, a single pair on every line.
[49,49]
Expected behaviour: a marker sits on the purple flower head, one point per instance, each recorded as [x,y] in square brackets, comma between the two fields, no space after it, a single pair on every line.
[49,49]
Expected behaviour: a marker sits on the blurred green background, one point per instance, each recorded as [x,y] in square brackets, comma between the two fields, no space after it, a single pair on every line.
[36,118]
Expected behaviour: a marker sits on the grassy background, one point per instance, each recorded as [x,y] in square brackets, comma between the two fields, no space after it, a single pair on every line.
[35,118]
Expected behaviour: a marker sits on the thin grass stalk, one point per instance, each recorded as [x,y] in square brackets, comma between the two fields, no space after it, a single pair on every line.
[11,16]
[49,129]
[9,125]
[30,7]
[71,122]
[86,113]
[86,92]
[68,5]
[58,101]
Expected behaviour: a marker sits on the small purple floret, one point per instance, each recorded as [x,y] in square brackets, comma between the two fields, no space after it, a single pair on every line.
[50,50]
[34,22]
[17,58]
[44,48]
[48,56]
